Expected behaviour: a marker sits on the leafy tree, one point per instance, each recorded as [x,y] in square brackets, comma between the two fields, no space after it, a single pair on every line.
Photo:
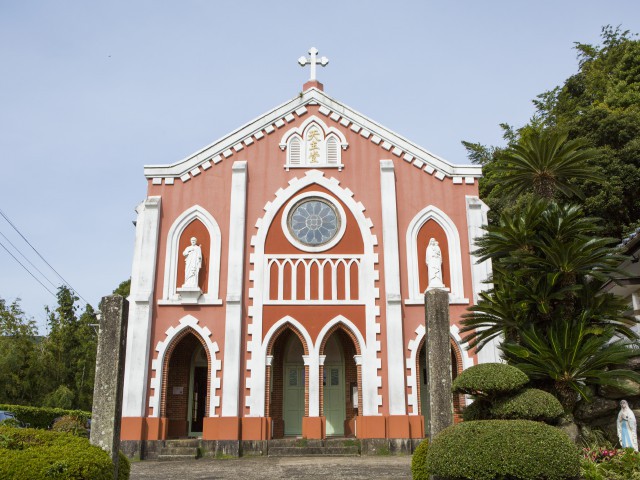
[18,352]
[599,107]
[70,349]
[124,288]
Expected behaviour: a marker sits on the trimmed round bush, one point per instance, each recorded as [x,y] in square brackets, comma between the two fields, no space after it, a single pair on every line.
[418,461]
[490,379]
[530,404]
[480,409]
[31,454]
[506,449]
[43,417]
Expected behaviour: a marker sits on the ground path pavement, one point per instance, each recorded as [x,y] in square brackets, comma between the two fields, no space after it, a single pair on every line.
[254,468]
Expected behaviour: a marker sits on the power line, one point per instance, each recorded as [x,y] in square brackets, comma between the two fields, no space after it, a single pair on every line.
[28,271]
[30,262]
[43,259]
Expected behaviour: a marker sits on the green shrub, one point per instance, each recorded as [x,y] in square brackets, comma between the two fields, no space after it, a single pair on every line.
[478,410]
[30,454]
[72,425]
[513,449]
[418,462]
[489,379]
[529,404]
[43,417]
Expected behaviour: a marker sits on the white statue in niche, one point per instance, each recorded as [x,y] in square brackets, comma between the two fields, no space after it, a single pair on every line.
[193,262]
[627,427]
[434,265]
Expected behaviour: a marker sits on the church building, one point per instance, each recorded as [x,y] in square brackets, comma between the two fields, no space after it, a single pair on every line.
[279,275]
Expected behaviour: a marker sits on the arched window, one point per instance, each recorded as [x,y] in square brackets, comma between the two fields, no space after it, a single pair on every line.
[294,151]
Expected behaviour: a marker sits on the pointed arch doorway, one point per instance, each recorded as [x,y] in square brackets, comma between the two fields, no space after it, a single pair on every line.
[340,389]
[187,385]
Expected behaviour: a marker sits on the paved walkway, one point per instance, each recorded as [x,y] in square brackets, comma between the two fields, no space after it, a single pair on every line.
[258,468]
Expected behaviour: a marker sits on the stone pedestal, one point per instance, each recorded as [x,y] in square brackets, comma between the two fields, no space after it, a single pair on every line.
[438,349]
[109,379]
[189,295]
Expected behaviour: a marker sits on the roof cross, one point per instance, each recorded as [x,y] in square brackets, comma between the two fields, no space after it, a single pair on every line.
[313,61]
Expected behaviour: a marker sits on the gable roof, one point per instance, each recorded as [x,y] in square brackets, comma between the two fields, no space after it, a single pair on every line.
[276,118]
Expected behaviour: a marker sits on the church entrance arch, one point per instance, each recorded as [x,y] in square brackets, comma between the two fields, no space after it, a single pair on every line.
[186,386]
[289,385]
[340,386]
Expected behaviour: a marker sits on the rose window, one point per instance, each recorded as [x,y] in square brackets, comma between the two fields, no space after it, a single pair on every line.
[313,222]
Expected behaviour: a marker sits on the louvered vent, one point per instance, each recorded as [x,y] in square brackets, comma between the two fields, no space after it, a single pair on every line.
[295,152]
[332,151]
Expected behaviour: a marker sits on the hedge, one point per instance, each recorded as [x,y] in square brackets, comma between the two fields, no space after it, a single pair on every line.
[529,404]
[418,461]
[480,409]
[31,454]
[513,449]
[43,417]
[489,379]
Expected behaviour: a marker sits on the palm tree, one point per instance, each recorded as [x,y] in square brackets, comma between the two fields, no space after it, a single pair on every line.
[571,355]
[545,162]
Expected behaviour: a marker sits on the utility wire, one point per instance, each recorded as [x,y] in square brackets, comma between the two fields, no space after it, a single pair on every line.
[43,259]
[30,263]
[28,271]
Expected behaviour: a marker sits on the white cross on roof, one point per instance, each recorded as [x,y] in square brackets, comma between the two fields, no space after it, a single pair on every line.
[313,61]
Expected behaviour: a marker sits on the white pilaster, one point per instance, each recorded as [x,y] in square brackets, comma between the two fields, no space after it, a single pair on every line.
[480,272]
[140,308]
[395,344]
[312,361]
[233,322]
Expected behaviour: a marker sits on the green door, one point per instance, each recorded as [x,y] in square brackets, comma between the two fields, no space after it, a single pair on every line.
[334,399]
[293,399]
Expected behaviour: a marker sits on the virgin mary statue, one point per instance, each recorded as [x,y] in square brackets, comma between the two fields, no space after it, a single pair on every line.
[627,427]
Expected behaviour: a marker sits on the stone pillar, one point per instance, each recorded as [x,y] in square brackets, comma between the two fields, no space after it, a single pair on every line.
[438,350]
[107,390]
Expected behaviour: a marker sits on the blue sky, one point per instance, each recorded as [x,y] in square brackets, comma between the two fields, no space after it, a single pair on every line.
[90,92]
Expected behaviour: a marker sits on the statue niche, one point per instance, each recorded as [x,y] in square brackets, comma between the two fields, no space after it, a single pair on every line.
[192,263]
[433,257]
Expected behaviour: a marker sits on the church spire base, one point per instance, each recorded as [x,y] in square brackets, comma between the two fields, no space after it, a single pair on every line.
[313,84]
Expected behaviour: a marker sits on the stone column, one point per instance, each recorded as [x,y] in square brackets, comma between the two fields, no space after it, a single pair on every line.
[438,350]
[108,385]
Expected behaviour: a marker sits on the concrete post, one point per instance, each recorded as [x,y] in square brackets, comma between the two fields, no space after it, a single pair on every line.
[438,352]
[107,390]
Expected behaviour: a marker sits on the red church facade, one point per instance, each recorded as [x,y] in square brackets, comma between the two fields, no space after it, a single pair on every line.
[308,316]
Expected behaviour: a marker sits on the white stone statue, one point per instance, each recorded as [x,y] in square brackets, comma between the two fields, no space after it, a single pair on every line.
[434,265]
[193,261]
[627,427]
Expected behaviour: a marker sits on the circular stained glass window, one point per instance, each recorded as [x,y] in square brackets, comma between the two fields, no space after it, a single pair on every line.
[314,222]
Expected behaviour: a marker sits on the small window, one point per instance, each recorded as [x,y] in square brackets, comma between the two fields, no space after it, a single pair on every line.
[293,377]
[295,152]
[335,377]
[333,153]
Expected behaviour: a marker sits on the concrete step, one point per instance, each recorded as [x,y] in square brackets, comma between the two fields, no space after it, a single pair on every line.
[170,458]
[179,451]
[295,442]
[183,442]
[313,451]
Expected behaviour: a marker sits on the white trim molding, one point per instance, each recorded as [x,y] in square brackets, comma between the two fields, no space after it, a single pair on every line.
[140,308]
[157,365]
[455,256]
[170,295]
[326,150]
